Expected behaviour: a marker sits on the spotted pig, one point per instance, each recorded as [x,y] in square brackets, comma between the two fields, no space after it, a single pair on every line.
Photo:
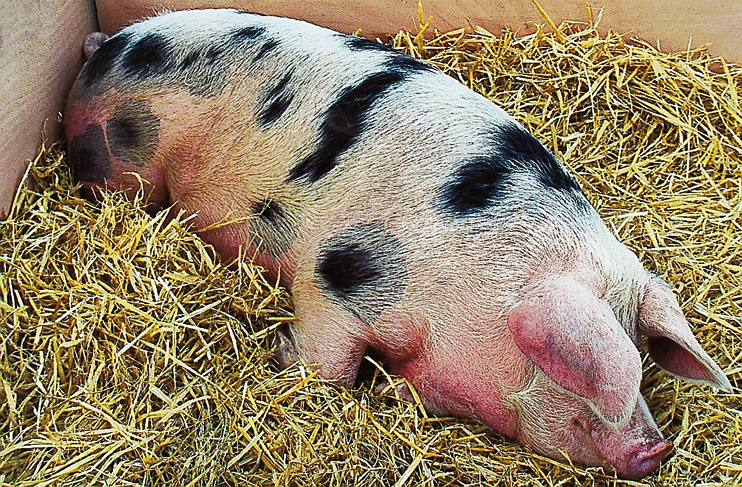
[408,215]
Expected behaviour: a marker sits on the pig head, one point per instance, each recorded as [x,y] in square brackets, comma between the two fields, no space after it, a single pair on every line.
[583,399]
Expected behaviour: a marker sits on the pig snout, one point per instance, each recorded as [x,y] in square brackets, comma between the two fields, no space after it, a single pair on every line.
[569,426]
[645,459]
[634,450]
[631,462]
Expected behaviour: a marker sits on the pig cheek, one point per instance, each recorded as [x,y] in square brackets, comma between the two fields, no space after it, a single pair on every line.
[132,135]
[470,381]
[554,421]
[400,338]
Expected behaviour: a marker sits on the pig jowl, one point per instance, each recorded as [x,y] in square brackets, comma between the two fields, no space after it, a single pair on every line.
[475,268]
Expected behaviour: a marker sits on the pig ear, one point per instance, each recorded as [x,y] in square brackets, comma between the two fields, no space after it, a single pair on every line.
[671,342]
[575,339]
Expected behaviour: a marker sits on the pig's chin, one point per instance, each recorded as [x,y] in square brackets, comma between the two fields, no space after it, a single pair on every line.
[634,464]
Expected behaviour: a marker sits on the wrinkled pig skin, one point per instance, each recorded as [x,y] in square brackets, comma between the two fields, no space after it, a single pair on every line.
[408,215]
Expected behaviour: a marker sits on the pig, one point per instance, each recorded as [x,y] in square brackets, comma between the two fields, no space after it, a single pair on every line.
[408,216]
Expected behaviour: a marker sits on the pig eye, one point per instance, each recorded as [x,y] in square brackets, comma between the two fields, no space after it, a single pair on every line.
[581,429]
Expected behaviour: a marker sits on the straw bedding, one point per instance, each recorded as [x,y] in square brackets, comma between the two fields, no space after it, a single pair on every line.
[131,356]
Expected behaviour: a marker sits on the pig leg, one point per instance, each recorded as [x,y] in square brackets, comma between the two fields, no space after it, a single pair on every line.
[325,337]
[340,296]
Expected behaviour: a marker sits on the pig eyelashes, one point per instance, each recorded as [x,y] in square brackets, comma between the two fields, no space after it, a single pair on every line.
[483,181]
[362,269]
[346,117]
[274,229]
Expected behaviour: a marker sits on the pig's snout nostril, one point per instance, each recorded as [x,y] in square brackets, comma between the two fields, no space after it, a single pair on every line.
[646,460]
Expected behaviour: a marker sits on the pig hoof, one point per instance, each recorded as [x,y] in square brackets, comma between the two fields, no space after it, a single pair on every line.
[647,458]
[285,349]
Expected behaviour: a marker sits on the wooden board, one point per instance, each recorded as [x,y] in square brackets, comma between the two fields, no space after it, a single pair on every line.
[40,55]
[674,23]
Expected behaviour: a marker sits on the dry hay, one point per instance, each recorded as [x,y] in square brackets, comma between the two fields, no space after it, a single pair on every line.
[130,357]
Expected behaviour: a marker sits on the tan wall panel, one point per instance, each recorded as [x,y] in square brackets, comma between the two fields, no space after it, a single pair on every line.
[673,22]
[40,54]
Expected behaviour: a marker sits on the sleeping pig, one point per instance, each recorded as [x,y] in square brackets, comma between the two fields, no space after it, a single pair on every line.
[408,215]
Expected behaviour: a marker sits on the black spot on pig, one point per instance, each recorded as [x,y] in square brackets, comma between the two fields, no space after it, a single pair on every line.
[247,33]
[275,103]
[200,59]
[356,43]
[102,60]
[132,133]
[273,227]
[189,61]
[362,269]
[242,12]
[265,48]
[407,64]
[483,181]
[148,57]
[212,55]
[526,153]
[399,62]
[475,186]
[88,155]
[344,122]
[204,70]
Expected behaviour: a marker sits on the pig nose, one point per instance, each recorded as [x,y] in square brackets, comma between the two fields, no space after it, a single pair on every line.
[647,458]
